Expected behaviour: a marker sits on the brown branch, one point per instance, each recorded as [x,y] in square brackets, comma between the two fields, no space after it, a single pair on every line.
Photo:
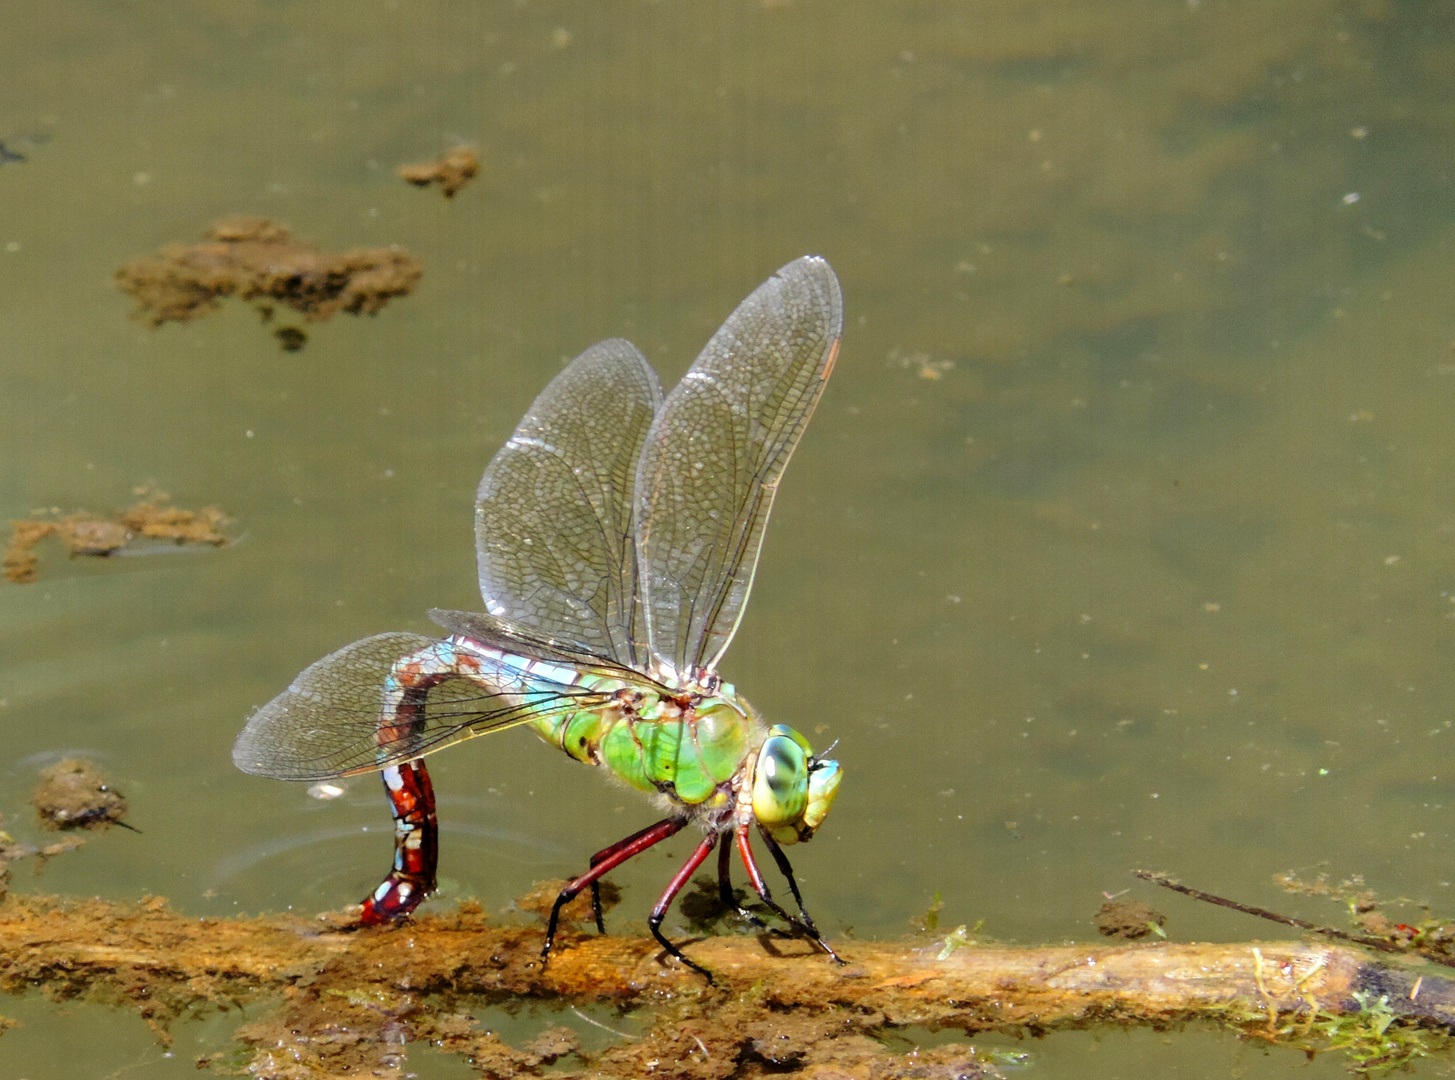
[1381,944]
[779,1004]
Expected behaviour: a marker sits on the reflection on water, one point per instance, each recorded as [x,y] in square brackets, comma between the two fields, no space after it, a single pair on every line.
[1146,562]
[241,863]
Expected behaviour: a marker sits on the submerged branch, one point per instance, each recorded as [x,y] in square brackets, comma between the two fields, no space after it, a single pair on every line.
[1382,944]
[353,999]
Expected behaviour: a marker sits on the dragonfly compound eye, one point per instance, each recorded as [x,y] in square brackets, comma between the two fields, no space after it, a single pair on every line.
[780,783]
[823,785]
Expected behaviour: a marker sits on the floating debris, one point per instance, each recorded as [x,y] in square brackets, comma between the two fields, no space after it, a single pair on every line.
[12,850]
[928,921]
[542,898]
[89,534]
[922,364]
[1129,920]
[259,262]
[18,147]
[451,172]
[74,794]
[291,338]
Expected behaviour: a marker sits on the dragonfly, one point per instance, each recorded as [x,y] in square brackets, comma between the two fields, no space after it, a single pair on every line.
[617,536]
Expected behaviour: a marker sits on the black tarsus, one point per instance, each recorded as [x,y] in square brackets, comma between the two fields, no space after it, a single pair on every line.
[603,862]
[683,875]
[804,925]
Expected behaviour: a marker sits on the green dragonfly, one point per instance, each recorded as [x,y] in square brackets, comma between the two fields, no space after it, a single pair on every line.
[617,535]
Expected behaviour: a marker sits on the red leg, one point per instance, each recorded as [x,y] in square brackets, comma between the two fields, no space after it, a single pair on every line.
[416,846]
[654,921]
[729,900]
[725,882]
[602,855]
[611,858]
[755,878]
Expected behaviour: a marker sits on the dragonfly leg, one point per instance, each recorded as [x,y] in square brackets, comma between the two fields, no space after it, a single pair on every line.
[787,871]
[755,878]
[601,856]
[613,857]
[654,921]
[726,897]
[416,845]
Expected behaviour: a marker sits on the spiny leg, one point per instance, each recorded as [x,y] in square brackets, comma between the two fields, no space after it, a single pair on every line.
[601,856]
[416,846]
[726,897]
[787,871]
[654,921]
[614,857]
[755,878]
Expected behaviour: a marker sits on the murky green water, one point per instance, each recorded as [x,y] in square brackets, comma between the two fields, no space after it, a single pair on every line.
[1125,535]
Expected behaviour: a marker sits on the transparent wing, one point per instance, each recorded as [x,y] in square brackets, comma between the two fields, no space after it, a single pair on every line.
[714,455]
[553,518]
[333,720]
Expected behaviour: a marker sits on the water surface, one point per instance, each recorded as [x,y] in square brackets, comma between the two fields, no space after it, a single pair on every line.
[1123,536]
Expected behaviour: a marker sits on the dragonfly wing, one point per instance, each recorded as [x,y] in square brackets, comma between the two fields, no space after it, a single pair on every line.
[338,716]
[714,455]
[553,518]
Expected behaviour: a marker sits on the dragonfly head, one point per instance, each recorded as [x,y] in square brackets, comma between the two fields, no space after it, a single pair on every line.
[792,787]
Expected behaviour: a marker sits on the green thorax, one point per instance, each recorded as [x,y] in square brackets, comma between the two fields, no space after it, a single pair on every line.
[685,748]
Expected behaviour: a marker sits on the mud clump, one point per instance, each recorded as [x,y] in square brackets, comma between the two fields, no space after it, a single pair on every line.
[258,261]
[74,794]
[290,338]
[1129,920]
[451,172]
[542,898]
[153,518]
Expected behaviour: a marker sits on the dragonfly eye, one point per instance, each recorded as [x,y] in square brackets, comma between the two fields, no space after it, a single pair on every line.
[780,783]
[823,785]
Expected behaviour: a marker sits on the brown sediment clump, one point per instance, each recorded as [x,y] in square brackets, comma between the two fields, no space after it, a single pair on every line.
[74,794]
[20,557]
[290,338]
[542,898]
[451,172]
[259,262]
[1128,920]
[88,534]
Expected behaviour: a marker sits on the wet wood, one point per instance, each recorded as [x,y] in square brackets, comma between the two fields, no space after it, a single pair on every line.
[328,978]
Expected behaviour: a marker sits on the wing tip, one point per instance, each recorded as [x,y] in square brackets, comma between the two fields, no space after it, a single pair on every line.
[815,272]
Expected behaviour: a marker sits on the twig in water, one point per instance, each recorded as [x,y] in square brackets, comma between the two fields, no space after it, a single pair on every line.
[1287,920]
[603,1027]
